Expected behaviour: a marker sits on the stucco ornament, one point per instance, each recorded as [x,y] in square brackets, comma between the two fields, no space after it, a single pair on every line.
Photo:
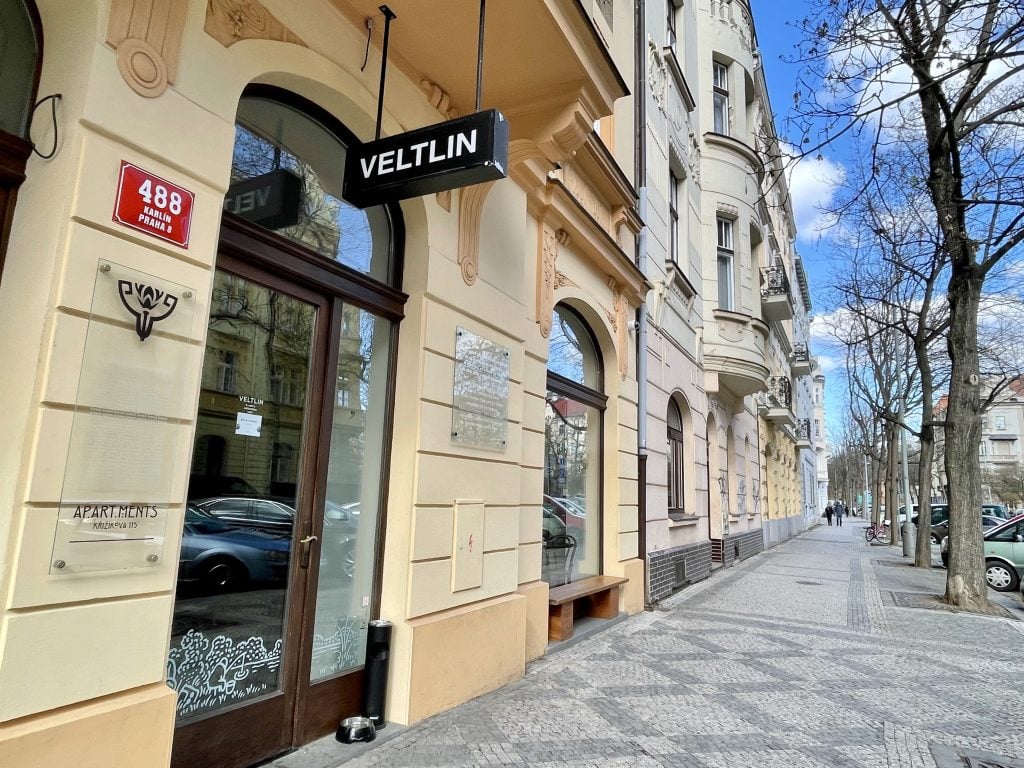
[619,319]
[471,206]
[229,21]
[548,276]
[148,63]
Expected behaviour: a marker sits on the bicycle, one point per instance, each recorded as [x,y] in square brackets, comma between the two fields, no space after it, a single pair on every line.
[872,532]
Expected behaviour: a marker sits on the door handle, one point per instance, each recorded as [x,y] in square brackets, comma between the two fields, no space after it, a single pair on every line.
[304,554]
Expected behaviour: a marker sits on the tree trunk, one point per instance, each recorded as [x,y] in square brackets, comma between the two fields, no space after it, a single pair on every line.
[965,581]
[891,479]
[923,553]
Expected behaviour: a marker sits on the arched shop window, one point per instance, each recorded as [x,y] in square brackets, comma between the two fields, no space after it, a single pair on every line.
[286,175]
[676,459]
[572,452]
[20,57]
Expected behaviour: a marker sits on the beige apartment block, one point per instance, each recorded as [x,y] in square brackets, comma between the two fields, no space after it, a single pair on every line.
[729,466]
[244,417]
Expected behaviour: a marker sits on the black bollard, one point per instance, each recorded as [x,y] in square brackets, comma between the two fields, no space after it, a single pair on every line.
[378,650]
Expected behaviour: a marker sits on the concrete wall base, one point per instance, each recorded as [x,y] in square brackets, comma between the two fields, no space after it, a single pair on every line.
[124,730]
[673,568]
[460,654]
[536,594]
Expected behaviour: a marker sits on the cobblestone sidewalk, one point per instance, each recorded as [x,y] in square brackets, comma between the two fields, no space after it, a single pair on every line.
[797,658]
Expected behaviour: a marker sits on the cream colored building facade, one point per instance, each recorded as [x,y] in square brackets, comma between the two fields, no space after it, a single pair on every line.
[453,544]
[730,468]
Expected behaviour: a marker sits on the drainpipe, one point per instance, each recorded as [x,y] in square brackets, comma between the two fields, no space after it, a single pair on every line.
[640,164]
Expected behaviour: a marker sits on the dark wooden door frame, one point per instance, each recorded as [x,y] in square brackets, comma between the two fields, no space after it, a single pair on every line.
[305,710]
[254,731]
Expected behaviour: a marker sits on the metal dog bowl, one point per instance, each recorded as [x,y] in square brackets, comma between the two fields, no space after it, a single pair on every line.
[356,729]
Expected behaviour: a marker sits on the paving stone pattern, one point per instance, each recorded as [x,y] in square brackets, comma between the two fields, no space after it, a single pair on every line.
[791,659]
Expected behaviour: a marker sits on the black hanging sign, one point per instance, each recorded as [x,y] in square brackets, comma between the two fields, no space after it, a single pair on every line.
[458,153]
[272,200]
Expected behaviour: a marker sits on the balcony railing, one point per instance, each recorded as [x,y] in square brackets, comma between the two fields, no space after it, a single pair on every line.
[776,300]
[780,391]
[774,404]
[803,433]
[801,360]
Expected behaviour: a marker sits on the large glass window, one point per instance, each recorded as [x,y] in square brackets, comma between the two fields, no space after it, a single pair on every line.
[345,587]
[670,12]
[725,257]
[20,50]
[721,98]
[572,453]
[19,53]
[676,459]
[286,175]
[673,217]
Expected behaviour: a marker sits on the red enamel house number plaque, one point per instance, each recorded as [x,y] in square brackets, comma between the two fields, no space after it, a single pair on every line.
[153,205]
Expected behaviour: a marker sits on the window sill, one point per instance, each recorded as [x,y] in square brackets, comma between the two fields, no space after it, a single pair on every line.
[682,521]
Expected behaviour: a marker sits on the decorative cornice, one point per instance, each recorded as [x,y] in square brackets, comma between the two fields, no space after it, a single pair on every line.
[229,21]
[148,63]
[439,99]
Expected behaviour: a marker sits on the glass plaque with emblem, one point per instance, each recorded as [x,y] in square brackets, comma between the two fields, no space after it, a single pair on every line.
[130,424]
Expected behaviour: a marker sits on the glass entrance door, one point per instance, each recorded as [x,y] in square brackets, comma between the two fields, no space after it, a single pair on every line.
[248,538]
[280,544]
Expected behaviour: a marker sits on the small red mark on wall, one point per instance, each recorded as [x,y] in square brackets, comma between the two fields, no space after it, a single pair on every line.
[470,543]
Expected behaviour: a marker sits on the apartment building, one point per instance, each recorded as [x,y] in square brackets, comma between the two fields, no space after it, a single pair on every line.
[317,313]
[731,460]
[244,416]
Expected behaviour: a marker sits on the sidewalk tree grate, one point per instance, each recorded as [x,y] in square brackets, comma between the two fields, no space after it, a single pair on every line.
[917,600]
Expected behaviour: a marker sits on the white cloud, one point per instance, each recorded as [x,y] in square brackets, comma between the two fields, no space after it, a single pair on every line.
[827,363]
[812,187]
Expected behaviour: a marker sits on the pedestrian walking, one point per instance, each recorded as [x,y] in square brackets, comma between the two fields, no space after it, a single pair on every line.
[829,511]
[839,511]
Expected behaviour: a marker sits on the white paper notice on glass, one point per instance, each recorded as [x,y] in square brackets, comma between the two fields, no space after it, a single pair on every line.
[248,424]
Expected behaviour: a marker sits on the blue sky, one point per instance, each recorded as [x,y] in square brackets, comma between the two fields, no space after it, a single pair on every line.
[813,182]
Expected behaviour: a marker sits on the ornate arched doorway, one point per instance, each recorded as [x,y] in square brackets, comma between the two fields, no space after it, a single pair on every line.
[280,561]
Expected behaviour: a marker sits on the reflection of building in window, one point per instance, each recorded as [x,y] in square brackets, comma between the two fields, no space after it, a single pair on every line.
[282,463]
[229,295]
[344,391]
[287,385]
[226,371]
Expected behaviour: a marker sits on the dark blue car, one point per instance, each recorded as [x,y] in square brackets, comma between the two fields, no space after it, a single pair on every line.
[223,558]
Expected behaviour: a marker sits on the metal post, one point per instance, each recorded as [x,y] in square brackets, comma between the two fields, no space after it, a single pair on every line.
[480,55]
[388,16]
[909,533]
[864,503]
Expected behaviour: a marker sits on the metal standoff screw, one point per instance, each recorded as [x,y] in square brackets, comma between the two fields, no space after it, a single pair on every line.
[104,267]
[59,563]
[187,294]
[151,558]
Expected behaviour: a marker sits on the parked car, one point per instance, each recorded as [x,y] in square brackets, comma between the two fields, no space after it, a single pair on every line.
[941,530]
[1004,554]
[250,513]
[991,515]
[562,516]
[222,558]
[277,517]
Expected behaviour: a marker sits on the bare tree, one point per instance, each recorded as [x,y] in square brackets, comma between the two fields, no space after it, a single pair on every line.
[947,74]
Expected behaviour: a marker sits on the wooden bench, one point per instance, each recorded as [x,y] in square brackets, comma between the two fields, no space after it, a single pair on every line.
[598,596]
